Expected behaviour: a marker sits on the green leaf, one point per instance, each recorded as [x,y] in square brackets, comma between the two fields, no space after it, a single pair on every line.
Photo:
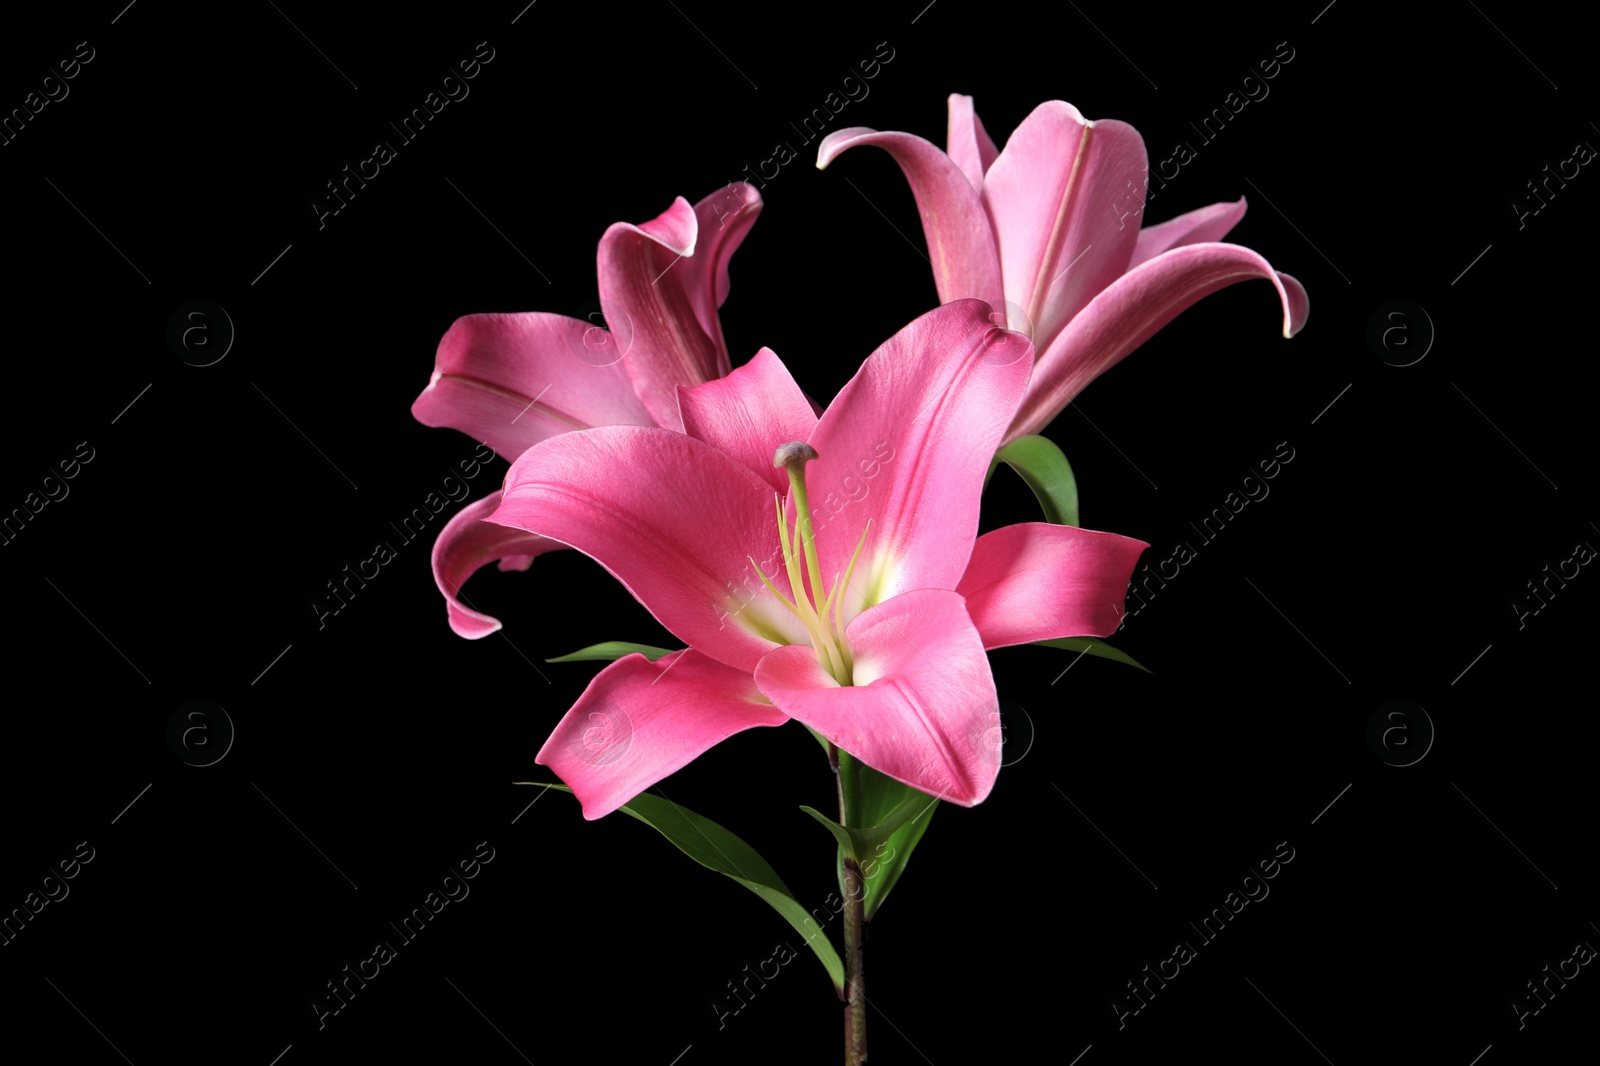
[1092,646]
[892,817]
[713,847]
[609,650]
[1040,463]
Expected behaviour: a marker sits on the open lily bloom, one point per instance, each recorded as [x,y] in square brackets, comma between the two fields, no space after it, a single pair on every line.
[512,380]
[861,604]
[1042,229]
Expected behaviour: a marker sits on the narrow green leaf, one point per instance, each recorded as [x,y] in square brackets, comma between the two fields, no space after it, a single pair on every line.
[859,842]
[1092,646]
[882,797]
[609,650]
[893,818]
[715,848]
[1046,470]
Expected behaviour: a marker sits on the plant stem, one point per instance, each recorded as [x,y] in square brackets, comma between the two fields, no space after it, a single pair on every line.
[855,927]
[855,922]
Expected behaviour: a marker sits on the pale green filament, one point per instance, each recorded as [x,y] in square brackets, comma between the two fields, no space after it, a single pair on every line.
[811,604]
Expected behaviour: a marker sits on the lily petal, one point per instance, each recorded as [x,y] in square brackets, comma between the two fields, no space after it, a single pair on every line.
[906,445]
[960,242]
[639,721]
[924,705]
[724,219]
[651,313]
[469,541]
[970,146]
[1202,225]
[511,380]
[1132,309]
[675,520]
[749,413]
[1038,581]
[1053,195]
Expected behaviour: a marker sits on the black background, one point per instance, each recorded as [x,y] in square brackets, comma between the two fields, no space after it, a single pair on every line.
[374,752]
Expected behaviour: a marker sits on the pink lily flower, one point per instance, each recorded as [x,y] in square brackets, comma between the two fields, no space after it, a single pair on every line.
[513,380]
[1042,229]
[861,606]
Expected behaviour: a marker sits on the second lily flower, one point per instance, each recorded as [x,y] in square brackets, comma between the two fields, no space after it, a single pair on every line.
[1042,230]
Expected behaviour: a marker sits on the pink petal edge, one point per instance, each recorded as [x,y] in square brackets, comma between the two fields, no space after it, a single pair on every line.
[1133,309]
[961,244]
[511,380]
[1203,225]
[468,542]
[652,314]
[1038,581]
[639,721]
[747,414]
[672,518]
[969,145]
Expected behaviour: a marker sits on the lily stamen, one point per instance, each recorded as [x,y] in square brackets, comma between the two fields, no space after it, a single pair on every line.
[811,601]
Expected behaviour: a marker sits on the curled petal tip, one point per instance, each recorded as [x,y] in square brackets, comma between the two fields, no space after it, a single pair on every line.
[838,141]
[676,229]
[469,541]
[1296,305]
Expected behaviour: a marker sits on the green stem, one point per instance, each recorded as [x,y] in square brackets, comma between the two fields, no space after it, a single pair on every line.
[855,921]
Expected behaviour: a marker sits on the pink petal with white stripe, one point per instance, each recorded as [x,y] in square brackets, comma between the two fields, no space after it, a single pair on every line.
[922,707]
[511,380]
[906,445]
[1051,195]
